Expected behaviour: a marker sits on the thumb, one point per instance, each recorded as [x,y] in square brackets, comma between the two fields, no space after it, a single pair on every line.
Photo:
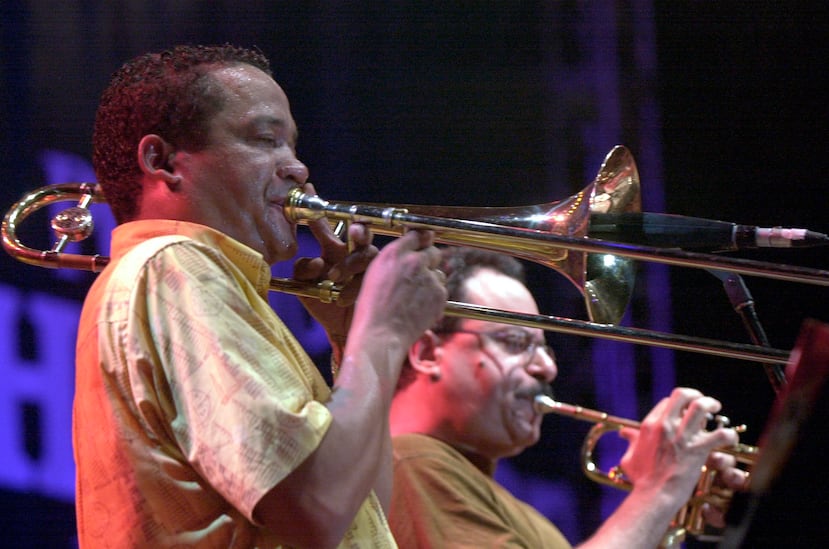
[332,249]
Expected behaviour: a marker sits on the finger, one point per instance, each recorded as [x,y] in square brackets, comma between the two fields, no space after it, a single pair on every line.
[692,407]
[434,258]
[629,434]
[680,399]
[713,515]
[718,438]
[360,235]
[307,268]
[721,461]
[733,478]
[354,263]
[425,238]
[332,249]
[415,240]
[699,411]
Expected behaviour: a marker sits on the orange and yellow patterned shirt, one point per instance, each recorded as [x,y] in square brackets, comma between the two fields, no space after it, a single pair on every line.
[192,398]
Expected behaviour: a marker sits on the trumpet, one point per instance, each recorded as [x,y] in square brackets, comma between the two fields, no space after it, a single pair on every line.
[689,520]
[552,234]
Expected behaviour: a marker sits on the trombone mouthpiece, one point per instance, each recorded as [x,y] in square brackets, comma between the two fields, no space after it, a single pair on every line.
[299,205]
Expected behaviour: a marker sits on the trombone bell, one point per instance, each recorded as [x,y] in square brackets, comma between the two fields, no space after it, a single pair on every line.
[606,281]
[553,234]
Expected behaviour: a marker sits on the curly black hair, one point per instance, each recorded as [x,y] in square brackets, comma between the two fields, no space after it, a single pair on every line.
[167,93]
[460,263]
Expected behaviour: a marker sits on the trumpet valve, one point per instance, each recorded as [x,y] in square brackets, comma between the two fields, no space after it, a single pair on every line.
[723,421]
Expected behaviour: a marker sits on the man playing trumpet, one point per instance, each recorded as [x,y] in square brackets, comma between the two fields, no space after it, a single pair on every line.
[466,399]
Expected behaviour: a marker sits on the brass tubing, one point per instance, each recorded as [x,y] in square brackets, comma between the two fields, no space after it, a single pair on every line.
[744,453]
[741,351]
[392,220]
[510,238]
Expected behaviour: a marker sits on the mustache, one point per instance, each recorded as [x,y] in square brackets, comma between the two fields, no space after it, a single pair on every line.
[536,389]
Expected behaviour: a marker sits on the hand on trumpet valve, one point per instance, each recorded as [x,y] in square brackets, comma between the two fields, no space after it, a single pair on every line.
[721,478]
[667,453]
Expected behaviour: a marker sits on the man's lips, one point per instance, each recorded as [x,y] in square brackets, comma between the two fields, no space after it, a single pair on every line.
[531,392]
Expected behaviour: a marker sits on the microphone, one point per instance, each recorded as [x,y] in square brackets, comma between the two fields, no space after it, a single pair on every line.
[694,233]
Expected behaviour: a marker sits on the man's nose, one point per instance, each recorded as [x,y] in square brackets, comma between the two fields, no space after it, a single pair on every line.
[543,364]
[295,171]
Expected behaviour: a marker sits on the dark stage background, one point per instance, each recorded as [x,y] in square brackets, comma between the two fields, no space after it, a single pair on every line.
[454,103]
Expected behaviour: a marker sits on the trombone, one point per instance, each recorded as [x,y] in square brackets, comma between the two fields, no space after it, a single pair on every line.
[552,234]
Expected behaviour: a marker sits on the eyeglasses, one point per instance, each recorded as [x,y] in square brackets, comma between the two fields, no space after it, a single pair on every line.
[512,342]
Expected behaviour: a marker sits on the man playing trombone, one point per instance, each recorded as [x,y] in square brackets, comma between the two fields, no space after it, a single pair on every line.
[198,420]
[465,399]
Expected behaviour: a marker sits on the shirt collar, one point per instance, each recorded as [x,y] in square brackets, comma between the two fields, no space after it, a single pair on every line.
[253,266]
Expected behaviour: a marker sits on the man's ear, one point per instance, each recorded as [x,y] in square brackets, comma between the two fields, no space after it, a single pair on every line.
[424,355]
[155,157]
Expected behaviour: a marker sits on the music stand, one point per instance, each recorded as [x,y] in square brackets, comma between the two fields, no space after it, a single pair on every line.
[786,505]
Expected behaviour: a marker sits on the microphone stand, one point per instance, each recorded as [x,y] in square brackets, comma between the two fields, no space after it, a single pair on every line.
[743,303]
